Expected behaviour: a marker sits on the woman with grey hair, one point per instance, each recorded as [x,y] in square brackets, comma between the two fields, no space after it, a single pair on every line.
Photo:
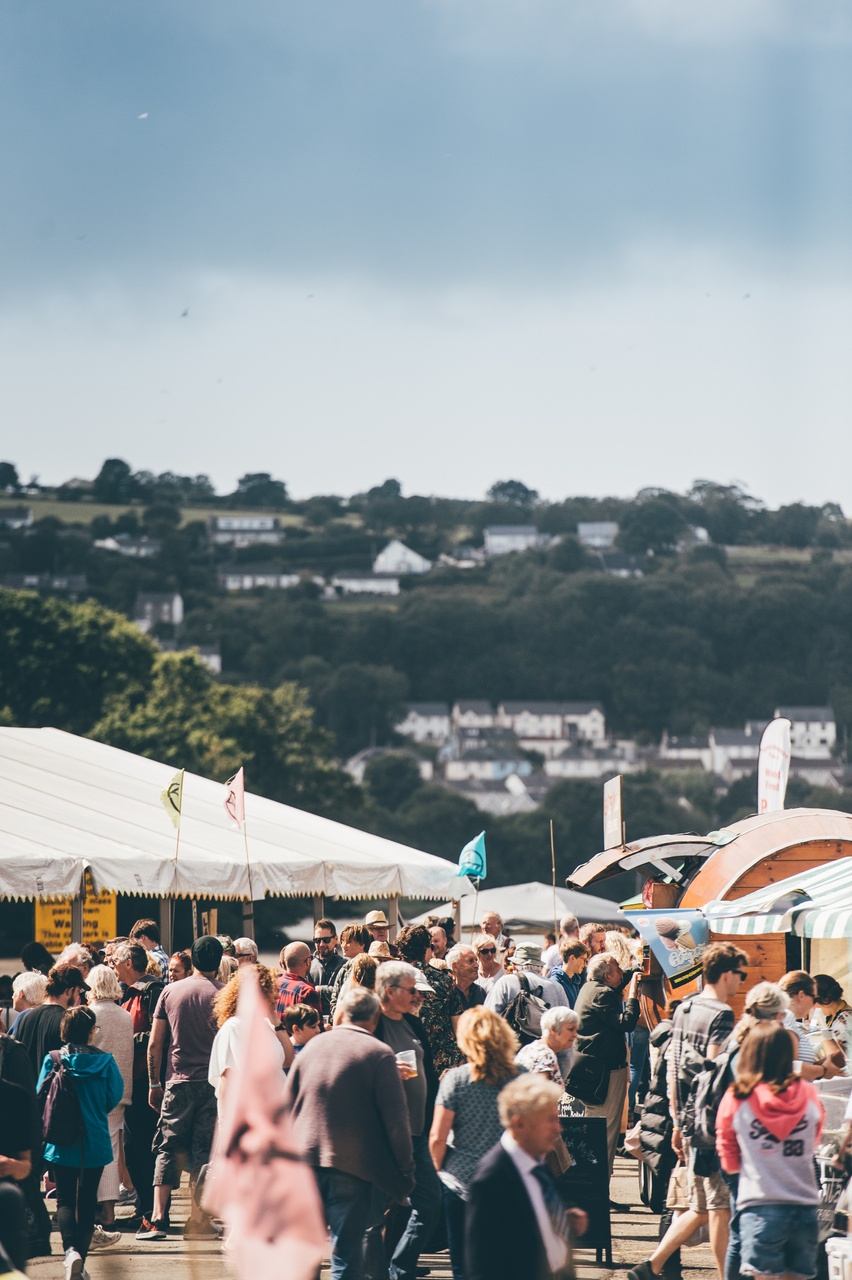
[113,1034]
[27,993]
[558,1033]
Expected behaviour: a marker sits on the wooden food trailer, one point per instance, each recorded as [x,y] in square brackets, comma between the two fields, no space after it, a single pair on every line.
[690,871]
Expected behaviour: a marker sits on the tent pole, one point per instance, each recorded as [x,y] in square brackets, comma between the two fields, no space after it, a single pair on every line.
[393,916]
[166,925]
[319,906]
[77,912]
[457,917]
[248,919]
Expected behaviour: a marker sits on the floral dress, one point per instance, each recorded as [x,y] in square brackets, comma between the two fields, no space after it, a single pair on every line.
[445,1003]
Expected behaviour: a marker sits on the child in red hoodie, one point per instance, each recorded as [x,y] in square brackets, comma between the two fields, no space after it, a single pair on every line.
[767,1127]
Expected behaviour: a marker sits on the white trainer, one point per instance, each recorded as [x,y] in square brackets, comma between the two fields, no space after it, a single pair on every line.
[73,1265]
[103,1239]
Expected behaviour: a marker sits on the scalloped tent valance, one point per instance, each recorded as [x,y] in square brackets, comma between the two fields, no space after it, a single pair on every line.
[68,805]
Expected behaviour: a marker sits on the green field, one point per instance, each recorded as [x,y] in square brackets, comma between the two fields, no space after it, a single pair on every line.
[85,512]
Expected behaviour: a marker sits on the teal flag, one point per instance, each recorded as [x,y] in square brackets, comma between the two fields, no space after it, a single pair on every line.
[472,858]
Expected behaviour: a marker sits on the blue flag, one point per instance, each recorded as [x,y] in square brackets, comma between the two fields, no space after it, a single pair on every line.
[472,858]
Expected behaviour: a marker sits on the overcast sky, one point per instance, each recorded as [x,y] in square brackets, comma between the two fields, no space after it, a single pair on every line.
[589,244]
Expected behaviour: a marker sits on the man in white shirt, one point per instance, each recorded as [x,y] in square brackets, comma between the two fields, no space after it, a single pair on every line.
[516,1223]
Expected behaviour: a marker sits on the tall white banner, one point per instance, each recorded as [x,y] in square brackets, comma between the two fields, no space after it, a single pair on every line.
[773,766]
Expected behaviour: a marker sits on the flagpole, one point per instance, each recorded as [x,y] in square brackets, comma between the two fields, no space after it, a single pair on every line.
[250,914]
[553,877]
[477,883]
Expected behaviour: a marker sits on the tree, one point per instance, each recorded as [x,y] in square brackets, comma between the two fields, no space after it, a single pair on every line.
[514,494]
[115,482]
[60,663]
[258,489]
[392,779]
[9,482]
[653,525]
[360,703]
[186,719]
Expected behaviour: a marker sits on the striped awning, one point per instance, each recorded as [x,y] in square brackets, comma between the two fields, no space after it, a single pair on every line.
[826,912]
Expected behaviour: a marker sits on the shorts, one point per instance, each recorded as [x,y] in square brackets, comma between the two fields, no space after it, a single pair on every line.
[704,1194]
[184,1131]
[779,1239]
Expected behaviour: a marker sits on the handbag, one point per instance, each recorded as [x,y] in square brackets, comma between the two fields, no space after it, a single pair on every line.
[588,1080]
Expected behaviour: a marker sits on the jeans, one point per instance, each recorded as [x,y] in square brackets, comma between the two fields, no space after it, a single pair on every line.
[425,1213]
[454,1209]
[779,1239]
[733,1256]
[346,1200]
[640,1039]
[76,1205]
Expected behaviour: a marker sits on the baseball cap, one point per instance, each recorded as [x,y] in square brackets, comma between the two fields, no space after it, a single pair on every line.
[421,984]
[72,977]
[207,954]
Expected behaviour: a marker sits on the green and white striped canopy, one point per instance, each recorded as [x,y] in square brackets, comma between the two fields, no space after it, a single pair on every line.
[828,914]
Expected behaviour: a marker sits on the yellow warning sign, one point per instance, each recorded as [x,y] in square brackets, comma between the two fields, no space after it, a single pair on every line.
[53,921]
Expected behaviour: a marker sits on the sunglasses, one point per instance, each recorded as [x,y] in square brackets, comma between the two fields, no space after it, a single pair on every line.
[487,951]
[741,973]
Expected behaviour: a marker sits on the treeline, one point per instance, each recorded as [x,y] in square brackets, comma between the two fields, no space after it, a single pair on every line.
[654,520]
[84,669]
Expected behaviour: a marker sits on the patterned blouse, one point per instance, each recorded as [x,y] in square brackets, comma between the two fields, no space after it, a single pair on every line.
[435,1014]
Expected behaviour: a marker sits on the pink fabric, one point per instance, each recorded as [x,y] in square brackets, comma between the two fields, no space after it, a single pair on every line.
[258,1183]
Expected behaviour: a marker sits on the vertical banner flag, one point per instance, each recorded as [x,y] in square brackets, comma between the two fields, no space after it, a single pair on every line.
[235,798]
[472,858]
[258,1181]
[613,822]
[172,798]
[677,937]
[773,766]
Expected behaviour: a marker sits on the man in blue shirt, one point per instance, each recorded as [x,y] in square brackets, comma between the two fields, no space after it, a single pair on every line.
[571,975]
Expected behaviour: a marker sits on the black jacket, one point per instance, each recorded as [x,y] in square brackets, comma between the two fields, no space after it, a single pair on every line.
[655,1133]
[502,1240]
[603,1023]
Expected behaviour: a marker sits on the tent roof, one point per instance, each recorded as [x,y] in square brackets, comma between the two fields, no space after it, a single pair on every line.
[826,912]
[529,906]
[68,804]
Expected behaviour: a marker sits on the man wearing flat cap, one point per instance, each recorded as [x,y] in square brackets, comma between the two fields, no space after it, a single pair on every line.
[184,1021]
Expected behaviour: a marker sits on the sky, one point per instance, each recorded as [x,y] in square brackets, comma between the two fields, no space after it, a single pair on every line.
[592,245]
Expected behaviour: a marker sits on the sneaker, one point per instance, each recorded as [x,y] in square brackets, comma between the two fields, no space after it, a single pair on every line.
[73,1265]
[151,1230]
[102,1239]
[127,1195]
[193,1230]
[642,1271]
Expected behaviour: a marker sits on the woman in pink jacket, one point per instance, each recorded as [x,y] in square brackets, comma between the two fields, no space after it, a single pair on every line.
[767,1127]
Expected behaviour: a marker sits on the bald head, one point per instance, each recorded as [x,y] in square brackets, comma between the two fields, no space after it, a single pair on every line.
[296,958]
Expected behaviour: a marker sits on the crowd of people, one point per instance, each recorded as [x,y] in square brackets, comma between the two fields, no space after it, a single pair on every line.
[426,1078]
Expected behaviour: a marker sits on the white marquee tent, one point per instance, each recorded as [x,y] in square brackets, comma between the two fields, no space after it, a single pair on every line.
[528,908]
[68,805]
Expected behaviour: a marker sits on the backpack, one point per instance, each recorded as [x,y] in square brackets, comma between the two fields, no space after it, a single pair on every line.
[61,1116]
[706,1092]
[524,1013]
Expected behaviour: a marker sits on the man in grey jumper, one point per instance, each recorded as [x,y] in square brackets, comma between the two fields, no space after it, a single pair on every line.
[351,1120]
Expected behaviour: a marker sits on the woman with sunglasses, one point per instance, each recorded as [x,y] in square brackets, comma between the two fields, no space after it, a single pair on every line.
[490,967]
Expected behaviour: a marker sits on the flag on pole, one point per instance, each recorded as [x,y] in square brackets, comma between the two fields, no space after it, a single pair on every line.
[172,798]
[235,798]
[472,858]
[773,766]
[257,1182]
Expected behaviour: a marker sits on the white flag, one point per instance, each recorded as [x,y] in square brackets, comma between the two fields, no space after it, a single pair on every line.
[773,766]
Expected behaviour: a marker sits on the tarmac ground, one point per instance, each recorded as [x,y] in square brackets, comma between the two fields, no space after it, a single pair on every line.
[633,1237]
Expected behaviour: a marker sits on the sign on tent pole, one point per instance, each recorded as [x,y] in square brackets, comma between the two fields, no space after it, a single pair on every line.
[613,822]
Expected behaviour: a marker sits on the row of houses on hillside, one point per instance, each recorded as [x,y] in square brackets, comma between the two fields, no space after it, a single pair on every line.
[539,722]
[733,753]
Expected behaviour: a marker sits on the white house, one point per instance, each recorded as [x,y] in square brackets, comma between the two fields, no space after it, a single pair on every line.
[814,731]
[353,582]
[488,765]
[733,752]
[687,749]
[16,517]
[553,721]
[598,535]
[245,531]
[502,539]
[158,606]
[396,557]
[473,714]
[247,577]
[592,762]
[425,722]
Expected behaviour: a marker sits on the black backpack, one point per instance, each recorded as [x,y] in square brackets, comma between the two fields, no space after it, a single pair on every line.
[706,1093]
[525,1012]
[61,1116]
